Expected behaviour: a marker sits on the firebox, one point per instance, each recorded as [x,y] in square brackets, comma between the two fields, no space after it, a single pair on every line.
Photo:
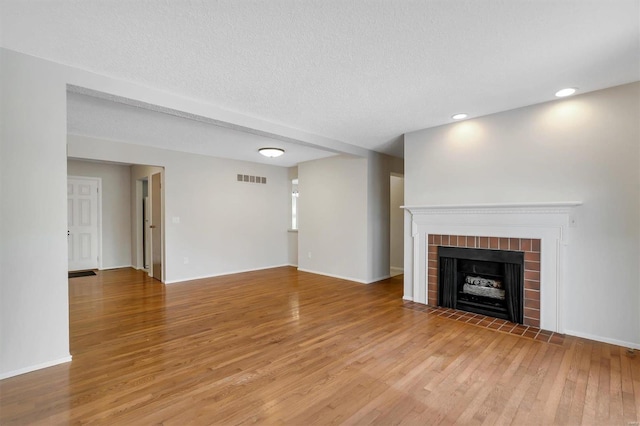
[483,281]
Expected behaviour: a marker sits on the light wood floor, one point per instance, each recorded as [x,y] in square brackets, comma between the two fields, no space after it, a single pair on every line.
[286,347]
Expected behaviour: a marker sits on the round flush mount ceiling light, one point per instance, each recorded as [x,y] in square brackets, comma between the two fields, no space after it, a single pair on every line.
[271,152]
[566,92]
[459,116]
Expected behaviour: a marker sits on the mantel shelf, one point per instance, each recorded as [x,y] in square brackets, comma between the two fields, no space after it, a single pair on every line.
[494,206]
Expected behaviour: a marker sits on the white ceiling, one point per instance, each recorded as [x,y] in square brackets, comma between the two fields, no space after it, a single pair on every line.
[360,71]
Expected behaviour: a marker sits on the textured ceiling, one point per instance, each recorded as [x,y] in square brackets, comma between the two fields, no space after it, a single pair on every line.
[360,71]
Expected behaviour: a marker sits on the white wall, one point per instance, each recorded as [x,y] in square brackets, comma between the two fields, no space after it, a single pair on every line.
[584,148]
[344,216]
[292,244]
[333,217]
[34,321]
[396,219]
[224,226]
[116,209]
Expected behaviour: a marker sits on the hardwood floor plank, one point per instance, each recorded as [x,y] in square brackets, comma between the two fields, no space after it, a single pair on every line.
[603,400]
[615,387]
[553,409]
[629,404]
[285,347]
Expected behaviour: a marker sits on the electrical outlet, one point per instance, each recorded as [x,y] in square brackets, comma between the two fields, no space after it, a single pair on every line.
[186,260]
[309,255]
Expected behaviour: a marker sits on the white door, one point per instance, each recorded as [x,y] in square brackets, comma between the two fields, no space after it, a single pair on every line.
[82,222]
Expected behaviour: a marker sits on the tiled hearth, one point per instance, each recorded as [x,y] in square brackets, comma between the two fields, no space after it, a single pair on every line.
[530,247]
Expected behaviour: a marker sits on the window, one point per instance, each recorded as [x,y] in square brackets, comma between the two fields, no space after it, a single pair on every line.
[294,204]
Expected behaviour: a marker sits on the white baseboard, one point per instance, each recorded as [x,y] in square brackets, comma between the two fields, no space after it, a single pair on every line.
[340,277]
[116,267]
[408,298]
[384,277]
[34,367]
[181,280]
[380,278]
[603,339]
[396,271]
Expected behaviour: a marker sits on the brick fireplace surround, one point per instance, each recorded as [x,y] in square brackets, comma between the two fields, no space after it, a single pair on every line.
[530,247]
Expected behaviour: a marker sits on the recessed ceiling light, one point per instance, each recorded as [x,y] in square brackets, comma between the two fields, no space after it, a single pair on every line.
[565,92]
[271,152]
[459,116]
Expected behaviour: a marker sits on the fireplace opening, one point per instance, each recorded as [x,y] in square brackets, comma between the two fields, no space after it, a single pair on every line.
[482,281]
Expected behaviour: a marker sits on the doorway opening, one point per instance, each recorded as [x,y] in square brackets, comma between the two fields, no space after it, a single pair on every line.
[396,223]
[148,223]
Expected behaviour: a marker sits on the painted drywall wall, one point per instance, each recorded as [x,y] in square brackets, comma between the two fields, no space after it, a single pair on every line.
[34,310]
[379,168]
[584,148]
[344,223]
[332,236]
[292,247]
[396,219]
[213,224]
[116,209]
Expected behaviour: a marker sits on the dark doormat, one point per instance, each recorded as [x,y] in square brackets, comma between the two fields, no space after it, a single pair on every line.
[81,274]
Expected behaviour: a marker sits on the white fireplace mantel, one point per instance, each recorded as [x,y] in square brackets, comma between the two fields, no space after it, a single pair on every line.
[547,221]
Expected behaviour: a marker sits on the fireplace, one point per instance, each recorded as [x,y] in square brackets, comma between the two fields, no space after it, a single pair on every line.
[482,281]
[542,230]
[486,254]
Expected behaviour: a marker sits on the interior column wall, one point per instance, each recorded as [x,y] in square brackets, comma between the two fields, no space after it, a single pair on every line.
[332,236]
[34,307]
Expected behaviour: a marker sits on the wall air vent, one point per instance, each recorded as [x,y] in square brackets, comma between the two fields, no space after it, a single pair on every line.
[251,179]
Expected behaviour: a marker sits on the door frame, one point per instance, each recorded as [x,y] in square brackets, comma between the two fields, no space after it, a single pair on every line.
[159,275]
[138,224]
[99,212]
